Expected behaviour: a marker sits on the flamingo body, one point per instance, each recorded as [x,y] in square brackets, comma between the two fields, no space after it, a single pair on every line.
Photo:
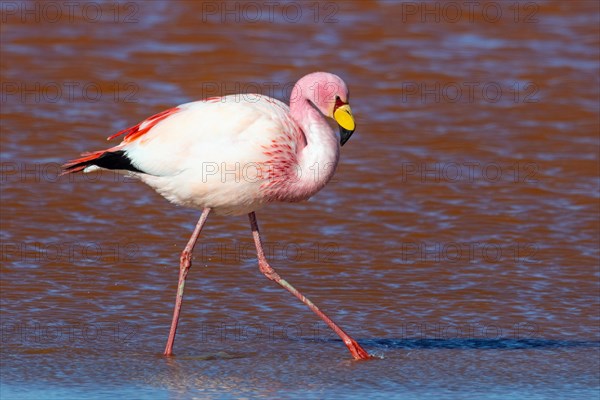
[232,154]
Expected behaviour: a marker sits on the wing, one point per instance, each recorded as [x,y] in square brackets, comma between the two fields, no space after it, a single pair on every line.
[215,131]
[218,131]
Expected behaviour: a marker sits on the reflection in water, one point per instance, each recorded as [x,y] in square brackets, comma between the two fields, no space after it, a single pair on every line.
[462,221]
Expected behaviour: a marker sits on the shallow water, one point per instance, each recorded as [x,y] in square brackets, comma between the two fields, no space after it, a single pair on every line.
[458,240]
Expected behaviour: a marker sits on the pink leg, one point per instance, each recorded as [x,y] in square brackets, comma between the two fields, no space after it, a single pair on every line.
[185,262]
[357,351]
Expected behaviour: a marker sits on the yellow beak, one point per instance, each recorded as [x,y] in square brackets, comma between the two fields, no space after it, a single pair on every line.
[343,116]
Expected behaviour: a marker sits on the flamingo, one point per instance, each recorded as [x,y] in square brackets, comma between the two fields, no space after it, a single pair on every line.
[233,154]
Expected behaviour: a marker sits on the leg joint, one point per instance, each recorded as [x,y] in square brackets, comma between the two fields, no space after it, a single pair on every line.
[185,259]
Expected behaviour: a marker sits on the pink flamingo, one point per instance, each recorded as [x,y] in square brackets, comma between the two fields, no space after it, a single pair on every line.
[234,154]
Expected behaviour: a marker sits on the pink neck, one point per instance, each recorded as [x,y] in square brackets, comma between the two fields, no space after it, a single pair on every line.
[318,159]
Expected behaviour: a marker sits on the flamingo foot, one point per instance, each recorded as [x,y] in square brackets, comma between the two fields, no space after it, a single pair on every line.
[357,351]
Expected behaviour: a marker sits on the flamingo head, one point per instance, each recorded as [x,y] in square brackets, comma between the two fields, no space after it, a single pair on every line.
[329,94]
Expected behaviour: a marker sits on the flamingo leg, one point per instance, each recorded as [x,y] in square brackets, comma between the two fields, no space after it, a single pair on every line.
[355,349]
[185,262]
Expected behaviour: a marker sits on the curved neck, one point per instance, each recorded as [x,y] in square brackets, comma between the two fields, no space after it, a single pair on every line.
[318,159]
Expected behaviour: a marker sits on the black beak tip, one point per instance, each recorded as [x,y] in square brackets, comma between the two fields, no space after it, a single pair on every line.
[344,135]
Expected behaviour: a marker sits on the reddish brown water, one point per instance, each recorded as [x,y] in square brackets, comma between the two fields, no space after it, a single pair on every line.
[458,240]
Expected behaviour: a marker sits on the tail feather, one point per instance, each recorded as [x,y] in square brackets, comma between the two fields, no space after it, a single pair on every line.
[115,158]
[102,159]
